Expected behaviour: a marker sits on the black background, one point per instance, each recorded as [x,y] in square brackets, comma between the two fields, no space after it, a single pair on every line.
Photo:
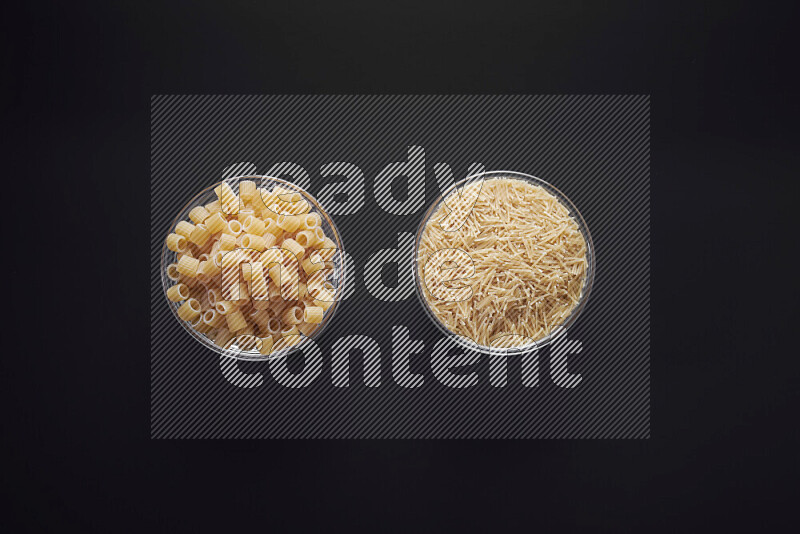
[79,77]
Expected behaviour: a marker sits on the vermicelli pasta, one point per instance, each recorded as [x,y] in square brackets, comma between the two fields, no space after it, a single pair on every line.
[241,267]
[516,265]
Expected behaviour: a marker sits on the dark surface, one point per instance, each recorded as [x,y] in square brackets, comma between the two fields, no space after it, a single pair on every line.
[722,452]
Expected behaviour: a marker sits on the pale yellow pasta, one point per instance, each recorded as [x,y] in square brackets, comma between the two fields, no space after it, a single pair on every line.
[324,299]
[198,214]
[187,266]
[311,221]
[294,247]
[261,319]
[313,314]
[189,310]
[271,227]
[244,214]
[227,198]
[235,320]
[216,223]
[247,190]
[176,243]
[294,207]
[284,272]
[210,268]
[267,196]
[288,223]
[190,281]
[306,238]
[233,228]
[227,241]
[213,207]
[184,228]
[269,240]
[258,282]
[251,271]
[254,242]
[326,249]
[270,212]
[178,292]
[200,235]
[253,225]
[247,341]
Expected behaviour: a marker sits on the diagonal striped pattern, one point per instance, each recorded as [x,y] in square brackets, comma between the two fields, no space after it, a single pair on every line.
[596,149]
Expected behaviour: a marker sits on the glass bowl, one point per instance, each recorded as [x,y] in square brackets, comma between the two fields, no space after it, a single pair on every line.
[337,278]
[587,284]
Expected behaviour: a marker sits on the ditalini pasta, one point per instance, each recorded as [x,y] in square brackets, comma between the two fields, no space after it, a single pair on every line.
[251,269]
[515,267]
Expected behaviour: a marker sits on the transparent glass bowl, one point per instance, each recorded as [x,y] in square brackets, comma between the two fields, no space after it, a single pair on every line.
[337,279]
[587,284]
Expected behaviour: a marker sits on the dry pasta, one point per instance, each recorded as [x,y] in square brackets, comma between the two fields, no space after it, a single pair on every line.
[250,270]
[517,264]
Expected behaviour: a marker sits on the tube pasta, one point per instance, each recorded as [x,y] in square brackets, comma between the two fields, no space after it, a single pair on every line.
[266,345]
[184,228]
[216,223]
[313,314]
[200,235]
[187,266]
[233,228]
[311,221]
[250,270]
[236,321]
[213,207]
[293,315]
[227,198]
[198,214]
[213,319]
[294,247]
[288,223]
[172,272]
[176,243]
[189,310]
[178,292]
[306,238]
